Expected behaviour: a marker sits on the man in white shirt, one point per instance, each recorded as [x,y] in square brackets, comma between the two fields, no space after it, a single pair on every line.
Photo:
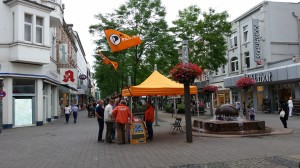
[290,103]
[109,120]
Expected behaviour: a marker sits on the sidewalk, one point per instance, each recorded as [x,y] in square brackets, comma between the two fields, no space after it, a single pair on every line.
[60,145]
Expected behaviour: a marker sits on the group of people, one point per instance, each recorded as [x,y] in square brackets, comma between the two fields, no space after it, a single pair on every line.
[71,110]
[285,111]
[116,115]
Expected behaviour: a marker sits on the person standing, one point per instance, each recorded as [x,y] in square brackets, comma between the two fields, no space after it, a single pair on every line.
[75,113]
[251,112]
[284,114]
[149,118]
[122,115]
[67,113]
[109,120]
[100,118]
[113,133]
[238,105]
[290,104]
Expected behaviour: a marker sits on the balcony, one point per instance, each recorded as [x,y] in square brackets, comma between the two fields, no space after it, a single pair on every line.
[28,53]
[56,16]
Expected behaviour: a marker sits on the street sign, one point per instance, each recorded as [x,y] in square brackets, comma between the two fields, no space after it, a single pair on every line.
[82,77]
[2,93]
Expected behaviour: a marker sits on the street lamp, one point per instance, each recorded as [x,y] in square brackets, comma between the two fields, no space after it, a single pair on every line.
[187,96]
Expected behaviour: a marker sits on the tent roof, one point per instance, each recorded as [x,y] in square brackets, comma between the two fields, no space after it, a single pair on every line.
[157,84]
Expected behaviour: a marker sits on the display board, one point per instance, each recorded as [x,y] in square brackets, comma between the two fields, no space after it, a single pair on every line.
[138,132]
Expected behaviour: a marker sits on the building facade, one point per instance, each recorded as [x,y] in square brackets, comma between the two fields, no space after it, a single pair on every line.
[32,72]
[264,45]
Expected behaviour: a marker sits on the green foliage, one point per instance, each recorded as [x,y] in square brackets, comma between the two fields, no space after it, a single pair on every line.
[206,33]
[180,108]
[168,108]
[145,18]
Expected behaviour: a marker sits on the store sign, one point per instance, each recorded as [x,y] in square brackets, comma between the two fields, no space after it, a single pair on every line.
[262,77]
[63,53]
[68,76]
[2,93]
[256,40]
[82,77]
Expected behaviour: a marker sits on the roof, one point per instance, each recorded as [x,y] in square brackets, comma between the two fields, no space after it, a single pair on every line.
[157,84]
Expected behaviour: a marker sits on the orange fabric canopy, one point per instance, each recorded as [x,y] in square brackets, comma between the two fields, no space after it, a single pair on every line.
[157,84]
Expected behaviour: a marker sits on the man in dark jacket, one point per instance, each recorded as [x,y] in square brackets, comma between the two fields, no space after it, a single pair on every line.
[100,118]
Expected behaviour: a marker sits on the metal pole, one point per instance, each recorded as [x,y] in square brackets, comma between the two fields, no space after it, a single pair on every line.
[156,117]
[187,96]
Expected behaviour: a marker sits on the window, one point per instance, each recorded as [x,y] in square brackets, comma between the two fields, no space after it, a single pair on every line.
[247,59]
[245,30]
[39,30]
[233,40]
[234,64]
[217,72]
[223,69]
[28,27]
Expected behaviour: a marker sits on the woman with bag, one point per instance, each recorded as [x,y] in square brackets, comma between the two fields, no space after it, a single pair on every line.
[284,114]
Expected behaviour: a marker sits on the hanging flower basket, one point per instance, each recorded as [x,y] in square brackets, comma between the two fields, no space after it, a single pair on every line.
[185,73]
[245,83]
[207,89]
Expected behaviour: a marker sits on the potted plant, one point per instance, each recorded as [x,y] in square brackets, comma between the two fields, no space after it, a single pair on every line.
[207,89]
[245,83]
[185,73]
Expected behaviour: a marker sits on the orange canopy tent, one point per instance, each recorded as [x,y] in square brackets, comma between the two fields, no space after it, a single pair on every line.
[157,84]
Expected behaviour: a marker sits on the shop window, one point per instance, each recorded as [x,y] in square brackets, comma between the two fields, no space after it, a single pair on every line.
[24,86]
[234,64]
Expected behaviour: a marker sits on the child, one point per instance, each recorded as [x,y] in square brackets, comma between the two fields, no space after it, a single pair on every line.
[251,112]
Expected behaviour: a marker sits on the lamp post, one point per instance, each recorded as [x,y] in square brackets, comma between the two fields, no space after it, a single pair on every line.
[187,96]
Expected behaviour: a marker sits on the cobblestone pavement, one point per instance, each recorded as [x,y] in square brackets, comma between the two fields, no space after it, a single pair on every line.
[60,145]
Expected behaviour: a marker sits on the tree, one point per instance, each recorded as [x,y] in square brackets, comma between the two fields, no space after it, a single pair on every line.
[145,18]
[206,33]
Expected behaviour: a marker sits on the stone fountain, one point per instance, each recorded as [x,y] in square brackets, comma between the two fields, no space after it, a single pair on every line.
[228,121]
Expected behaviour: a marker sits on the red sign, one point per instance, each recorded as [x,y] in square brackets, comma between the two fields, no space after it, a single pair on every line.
[82,77]
[2,93]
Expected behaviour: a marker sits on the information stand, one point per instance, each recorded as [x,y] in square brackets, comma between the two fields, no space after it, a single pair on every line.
[138,132]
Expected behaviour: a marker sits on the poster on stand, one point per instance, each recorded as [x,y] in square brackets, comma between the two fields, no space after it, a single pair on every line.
[138,132]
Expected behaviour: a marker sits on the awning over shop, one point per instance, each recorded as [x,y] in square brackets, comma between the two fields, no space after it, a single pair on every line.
[67,89]
[157,84]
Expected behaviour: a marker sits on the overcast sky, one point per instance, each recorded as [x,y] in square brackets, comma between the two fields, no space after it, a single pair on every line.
[81,13]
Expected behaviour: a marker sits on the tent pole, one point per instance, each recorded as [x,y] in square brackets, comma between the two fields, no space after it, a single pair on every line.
[175,111]
[156,117]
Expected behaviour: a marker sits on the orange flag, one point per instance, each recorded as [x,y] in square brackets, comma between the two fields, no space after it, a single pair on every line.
[108,61]
[119,41]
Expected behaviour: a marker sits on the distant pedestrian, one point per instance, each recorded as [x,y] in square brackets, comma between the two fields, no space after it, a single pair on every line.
[122,114]
[67,113]
[75,113]
[251,112]
[284,114]
[100,118]
[109,120]
[290,104]
[149,118]
[237,105]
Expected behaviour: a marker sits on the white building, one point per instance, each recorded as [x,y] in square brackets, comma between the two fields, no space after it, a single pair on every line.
[30,63]
[265,45]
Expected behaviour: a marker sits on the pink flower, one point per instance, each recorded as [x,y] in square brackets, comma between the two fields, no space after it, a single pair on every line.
[185,72]
[209,88]
[245,82]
